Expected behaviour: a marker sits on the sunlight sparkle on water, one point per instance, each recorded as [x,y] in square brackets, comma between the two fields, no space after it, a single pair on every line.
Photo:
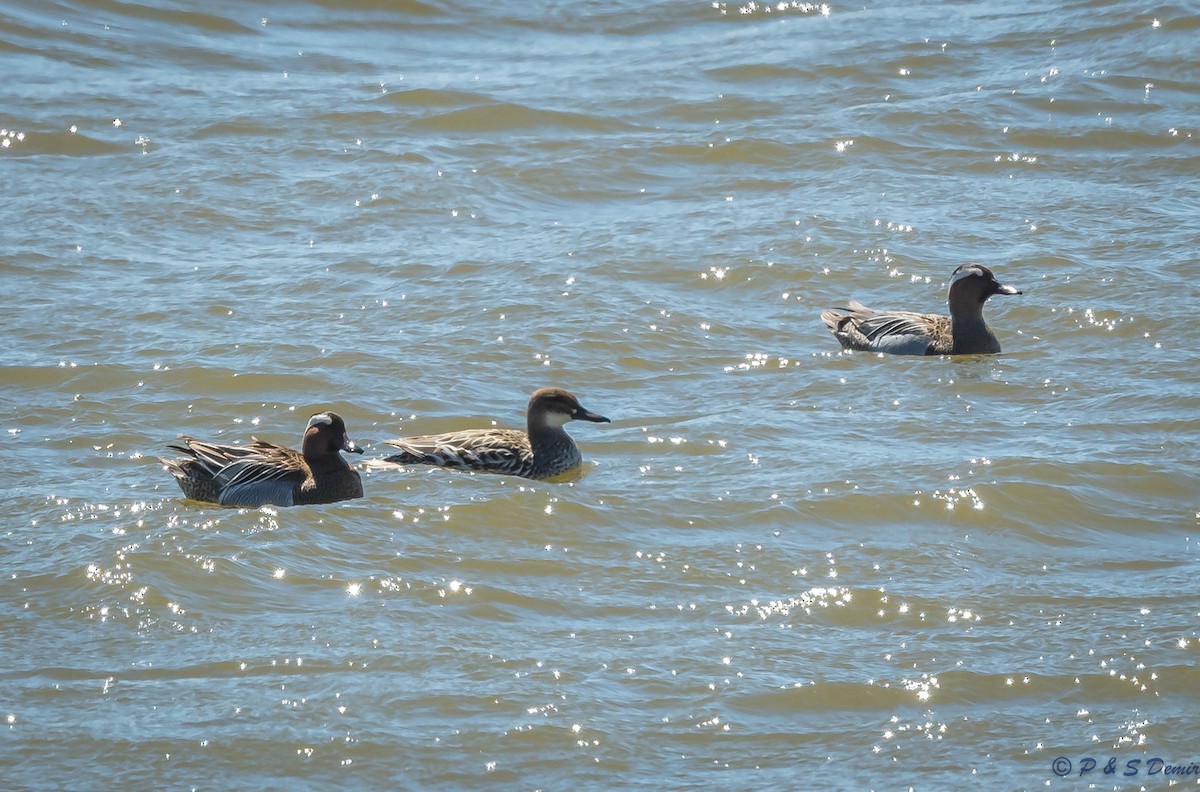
[7,136]
[818,597]
[455,587]
[778,7]
[922,687]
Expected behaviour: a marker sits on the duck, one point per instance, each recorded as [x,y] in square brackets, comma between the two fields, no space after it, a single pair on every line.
[544,450]
[263,473]
[963,332]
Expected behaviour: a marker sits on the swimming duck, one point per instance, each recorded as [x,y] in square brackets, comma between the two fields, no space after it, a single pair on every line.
[963,332]
[264,473]
[543,451]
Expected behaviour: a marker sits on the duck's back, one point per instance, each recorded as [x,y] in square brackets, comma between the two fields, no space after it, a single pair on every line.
[485,450]
[270,474]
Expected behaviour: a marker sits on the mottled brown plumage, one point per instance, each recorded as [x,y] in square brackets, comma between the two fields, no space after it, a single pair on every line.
[543,451]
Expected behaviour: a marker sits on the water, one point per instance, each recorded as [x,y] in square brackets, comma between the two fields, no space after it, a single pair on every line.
[785,567]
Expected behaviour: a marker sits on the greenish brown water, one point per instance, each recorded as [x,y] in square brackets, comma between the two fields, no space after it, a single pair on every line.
[785,567]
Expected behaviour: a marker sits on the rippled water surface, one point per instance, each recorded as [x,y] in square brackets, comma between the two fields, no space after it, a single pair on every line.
[785,567]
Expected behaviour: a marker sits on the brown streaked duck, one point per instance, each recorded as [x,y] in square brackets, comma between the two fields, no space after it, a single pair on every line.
[963,332]
[543,451]
[263,473]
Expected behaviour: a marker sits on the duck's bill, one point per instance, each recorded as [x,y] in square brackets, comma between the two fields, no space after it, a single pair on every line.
[1004,288]
[584,415]
[350,447]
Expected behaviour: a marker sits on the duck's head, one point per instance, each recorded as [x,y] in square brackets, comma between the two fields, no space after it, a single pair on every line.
[555,407]
[326,434]
[974,283]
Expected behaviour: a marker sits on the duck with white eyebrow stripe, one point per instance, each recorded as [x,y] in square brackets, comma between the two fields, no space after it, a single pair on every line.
[263,473]
[963,332]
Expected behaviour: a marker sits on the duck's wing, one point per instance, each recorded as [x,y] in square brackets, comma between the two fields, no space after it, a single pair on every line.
[893,332]
[490,450]
[267,474]
[212,456]
[899,332]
